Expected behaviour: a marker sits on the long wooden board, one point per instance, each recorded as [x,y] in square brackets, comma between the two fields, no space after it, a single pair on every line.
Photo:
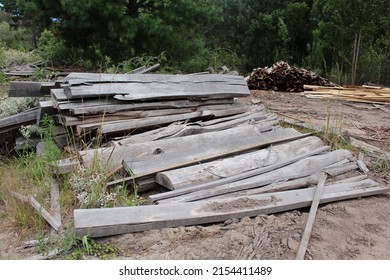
[29,89]
[81,78]
[297,169]
[179,129]
[112,221]
[26,117]
[113,105]
[210,171]
[115,155]
[154,91]
[186,153]
[310,220]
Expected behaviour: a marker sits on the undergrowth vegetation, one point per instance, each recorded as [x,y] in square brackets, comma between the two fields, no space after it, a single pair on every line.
[30,173]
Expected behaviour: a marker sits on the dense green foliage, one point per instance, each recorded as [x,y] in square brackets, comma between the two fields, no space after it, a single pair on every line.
[346,40]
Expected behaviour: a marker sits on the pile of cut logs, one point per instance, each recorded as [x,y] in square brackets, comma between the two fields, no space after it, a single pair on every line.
[283,77]
[217,158]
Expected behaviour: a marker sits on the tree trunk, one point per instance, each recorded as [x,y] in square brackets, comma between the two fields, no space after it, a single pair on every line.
[355,57]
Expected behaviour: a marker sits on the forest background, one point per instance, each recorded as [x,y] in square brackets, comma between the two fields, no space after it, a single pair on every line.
[347,41]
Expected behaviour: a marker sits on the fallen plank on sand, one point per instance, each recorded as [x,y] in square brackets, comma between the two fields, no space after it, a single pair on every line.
[112,221]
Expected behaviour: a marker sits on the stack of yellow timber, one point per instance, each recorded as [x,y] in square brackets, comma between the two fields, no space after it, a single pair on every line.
[366,94]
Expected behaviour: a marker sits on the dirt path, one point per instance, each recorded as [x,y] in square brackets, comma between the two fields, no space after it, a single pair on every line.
[354,229]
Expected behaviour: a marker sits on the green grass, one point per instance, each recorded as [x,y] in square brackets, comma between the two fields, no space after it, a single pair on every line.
[382,164]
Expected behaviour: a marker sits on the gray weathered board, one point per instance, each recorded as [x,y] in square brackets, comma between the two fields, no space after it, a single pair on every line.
[297,169]
[82,78]
[93,106]
[206,147]
[68,120]
[29,89]
[15,121]
[175,152]
[184,128]
[310,220]
[292,184]
[209,171]
[126,126]
[154,91]
[112,221]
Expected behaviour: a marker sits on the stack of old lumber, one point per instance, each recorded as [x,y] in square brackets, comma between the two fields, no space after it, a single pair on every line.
[128,104]
[216,158]
[365,93]
[216,176]
[283,77]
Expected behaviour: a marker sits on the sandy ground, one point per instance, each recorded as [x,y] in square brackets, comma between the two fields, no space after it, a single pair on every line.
[354,229]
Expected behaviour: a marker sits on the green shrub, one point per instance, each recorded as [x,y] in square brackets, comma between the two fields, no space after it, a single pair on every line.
[51,48]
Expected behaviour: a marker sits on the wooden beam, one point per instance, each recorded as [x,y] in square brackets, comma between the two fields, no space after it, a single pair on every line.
[80,78]
[115,155]
[55,224]
[29,89]
[26,117]
[110,105]
[54,200]
[310,220]
[156,91]
[112,221]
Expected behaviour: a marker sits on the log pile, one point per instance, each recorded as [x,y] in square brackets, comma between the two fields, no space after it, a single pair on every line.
[283,77]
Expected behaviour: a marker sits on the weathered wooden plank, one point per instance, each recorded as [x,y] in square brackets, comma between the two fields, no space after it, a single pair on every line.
[119,116]
[45,108]
[370,149]
[112,221]
[194,153]
[108,107]
[190,188]
[80,78]
[297,183]
[310,220]
[54,200]
[26,117]
[179,129]
[210,171]
[58,94]
[115,155]
[55,224]
[154,91]
[126,126]
[64,166]
[298,169]
[29,89]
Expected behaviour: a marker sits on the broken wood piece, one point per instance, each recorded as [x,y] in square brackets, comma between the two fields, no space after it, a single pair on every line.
[64,166]
[370,149]
[113,221]
[54,200]
[55,224]
[362,166]
[310,220]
